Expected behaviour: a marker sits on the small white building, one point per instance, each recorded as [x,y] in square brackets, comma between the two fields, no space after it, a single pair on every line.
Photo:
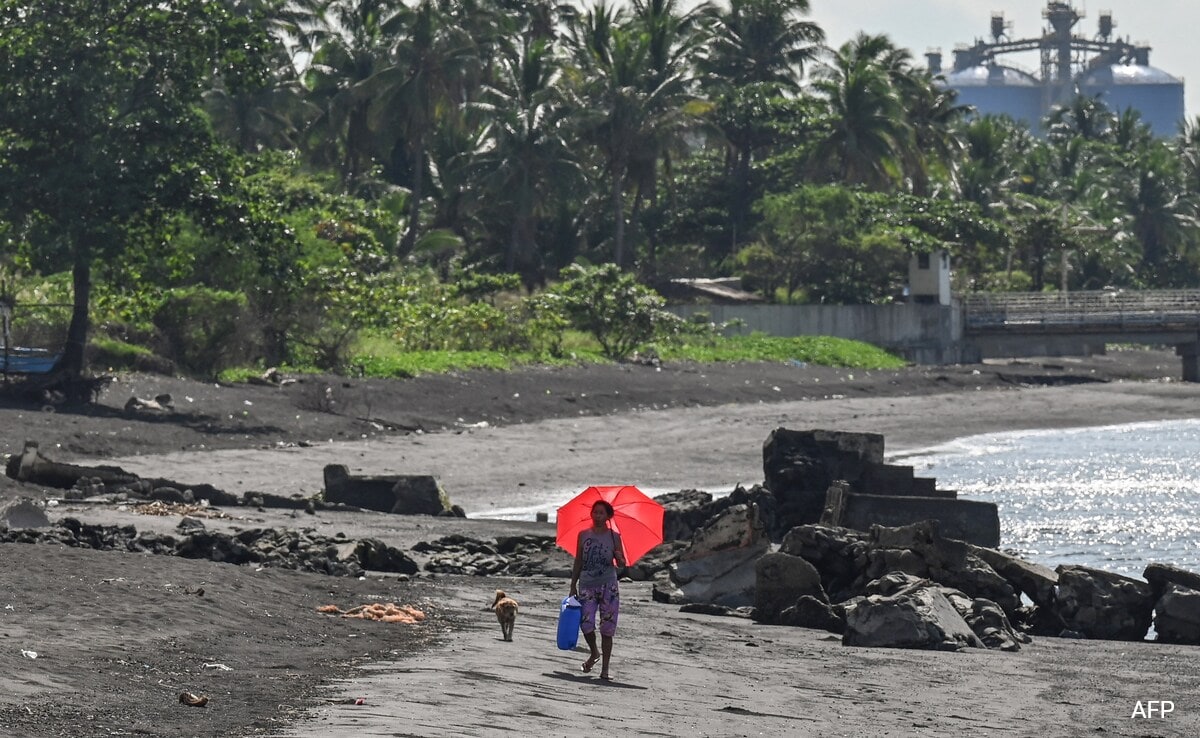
[929,277]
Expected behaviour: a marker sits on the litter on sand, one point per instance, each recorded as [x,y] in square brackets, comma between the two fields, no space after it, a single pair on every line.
[387,612]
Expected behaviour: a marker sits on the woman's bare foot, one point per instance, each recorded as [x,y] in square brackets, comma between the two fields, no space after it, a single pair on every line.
[587,665]
[604,675]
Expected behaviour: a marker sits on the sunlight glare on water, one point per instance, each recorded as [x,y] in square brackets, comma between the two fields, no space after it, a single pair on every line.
[1115,498]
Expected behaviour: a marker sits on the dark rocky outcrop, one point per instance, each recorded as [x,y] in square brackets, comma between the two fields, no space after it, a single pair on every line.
[1101,604]
[1177,615]
[286,549]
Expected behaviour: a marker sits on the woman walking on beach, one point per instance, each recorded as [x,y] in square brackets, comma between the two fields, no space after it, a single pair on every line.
[598,553]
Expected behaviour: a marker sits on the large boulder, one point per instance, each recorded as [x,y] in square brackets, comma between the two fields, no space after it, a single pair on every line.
[22,512]
[1035,581]
[810,612]
[1177,615]
[779,581]
[949,562]
[839,554]
[718,567]
[988,621]
[1101,604]
[918,616]
[1160,575]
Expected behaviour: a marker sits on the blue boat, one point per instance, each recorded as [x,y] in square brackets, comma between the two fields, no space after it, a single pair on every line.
[20,360]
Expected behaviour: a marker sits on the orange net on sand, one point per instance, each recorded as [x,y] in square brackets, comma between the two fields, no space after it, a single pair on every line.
[385,612]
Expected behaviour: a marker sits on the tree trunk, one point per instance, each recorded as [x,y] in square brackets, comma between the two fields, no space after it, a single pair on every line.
[740,205]
[414,205]
[618,204]
[77,334]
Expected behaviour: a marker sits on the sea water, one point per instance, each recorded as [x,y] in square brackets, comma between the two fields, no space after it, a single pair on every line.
[1114,497]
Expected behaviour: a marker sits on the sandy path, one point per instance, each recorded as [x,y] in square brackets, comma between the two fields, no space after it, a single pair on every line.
[677,674]
[516,470]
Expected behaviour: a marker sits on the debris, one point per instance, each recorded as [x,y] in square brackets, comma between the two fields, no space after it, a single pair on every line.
[193,700]
[29,654]
[222,667]
[158,507]
[388,612]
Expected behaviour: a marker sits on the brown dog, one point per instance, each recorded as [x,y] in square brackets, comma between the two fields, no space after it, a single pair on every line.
[506,613]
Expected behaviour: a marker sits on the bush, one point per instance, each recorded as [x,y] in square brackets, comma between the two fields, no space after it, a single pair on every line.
[201,329]
[610,305]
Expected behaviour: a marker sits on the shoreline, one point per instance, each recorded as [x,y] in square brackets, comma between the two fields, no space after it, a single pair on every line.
[530,465]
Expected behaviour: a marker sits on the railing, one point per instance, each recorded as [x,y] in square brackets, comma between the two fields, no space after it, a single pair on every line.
[1118,309]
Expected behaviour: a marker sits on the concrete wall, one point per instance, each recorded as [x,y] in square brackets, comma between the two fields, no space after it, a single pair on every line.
[925,334]
[972,521]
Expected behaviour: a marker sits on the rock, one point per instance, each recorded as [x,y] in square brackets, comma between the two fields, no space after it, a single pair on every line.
[917,617]
[810,612]
[1160,575]
[1037,582]
[682,512]
[1101,604]
[188,524]
[170,494]
[23,512]
[1177,615]
[376,555]
[719,610]
[780,580]
[718,567]
[988,621]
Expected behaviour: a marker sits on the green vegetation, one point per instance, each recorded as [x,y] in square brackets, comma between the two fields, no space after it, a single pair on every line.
[395,186]
[822,350]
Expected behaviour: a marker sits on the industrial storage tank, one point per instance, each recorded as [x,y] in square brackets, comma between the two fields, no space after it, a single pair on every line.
[1155,94]
[995,89]
[1071,63]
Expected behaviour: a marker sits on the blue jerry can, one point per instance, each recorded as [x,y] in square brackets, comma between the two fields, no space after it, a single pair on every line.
[569,616]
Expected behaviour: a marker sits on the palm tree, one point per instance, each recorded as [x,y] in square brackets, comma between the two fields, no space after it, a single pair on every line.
[759,42]
[1160,216]
[935,118]
[868,135]
[621,108]
[422,84]
[349,48]
[529,158]
[271,116]
[1084,116]
[674,40]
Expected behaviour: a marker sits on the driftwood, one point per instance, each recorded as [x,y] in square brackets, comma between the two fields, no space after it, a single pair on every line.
[31,466]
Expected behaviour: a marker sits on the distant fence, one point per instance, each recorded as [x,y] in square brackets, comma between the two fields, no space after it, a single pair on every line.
[1108,309]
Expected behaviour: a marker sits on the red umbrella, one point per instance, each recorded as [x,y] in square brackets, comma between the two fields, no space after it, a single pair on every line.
[636,517]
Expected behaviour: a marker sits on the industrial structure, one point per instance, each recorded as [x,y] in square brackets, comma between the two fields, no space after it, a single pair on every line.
[1103,65]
